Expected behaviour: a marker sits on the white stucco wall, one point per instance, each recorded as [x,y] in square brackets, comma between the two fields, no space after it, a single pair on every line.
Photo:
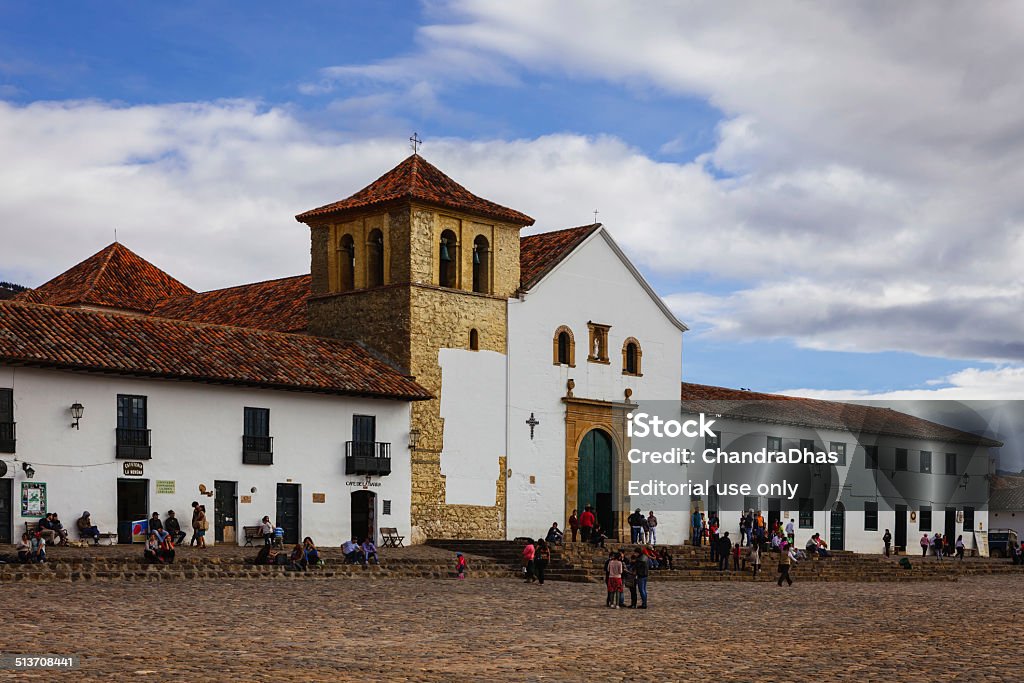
[472,405]
[196,439]
[592,284]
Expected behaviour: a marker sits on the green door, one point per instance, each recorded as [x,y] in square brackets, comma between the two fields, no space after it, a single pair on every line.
[595,478]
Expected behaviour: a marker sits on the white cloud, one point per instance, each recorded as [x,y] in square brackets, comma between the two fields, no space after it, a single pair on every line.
[973,384]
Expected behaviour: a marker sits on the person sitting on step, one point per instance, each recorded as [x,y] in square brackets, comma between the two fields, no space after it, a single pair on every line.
[353,552]
[554,534]
[312,554]
[151,551]
[369,549]
[173,527]
[297,560]
[24,549]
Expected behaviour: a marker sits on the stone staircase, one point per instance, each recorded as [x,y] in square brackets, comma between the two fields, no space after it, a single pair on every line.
[97,565]
[583,563]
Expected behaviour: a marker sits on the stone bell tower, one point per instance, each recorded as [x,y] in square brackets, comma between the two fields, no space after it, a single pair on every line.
[409,265]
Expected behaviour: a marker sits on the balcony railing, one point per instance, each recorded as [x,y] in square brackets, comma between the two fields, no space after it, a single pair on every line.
[133,444]
[368,457]
[257,450]
[7,437]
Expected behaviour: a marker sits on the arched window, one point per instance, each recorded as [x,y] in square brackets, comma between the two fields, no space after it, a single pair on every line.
[564,347]
[474,340]
[631,356]
[375,259]
[346,263]
[448,260]
[481,265]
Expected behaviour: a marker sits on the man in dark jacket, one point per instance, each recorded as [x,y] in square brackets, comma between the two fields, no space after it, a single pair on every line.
[173,527]
[640,571]
[724,546]
[636,525]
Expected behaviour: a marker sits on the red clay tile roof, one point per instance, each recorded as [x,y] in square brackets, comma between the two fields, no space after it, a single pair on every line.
[419,180]
[278,305]
[142,346]
[538,254]
[115,277]
[816,413]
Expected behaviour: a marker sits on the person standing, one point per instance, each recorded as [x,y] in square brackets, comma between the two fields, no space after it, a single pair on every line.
[201,526]
[784,563]
[791,532]
[960,547]
[695,528]
[713,540]
[652,528]
[629,579]
[636,521]
[641,570]
[755,558]
[925,543]
[195,524]
[615,581]
[887,540]
[587,520]
[266,530]
[574,525]
[541,557]
[724,546]
[528,554]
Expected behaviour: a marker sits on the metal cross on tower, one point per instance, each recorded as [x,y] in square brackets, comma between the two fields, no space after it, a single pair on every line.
[595,216]
[415,143]
[533,422]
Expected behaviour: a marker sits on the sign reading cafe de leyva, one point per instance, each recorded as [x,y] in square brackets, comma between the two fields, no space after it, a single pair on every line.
[442,369]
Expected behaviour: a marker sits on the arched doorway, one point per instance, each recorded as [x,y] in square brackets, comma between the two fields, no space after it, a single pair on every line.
[837,527]
[594,483]
[364,504]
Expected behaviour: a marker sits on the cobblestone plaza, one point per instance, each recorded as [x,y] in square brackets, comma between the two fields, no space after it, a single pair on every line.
[501,629]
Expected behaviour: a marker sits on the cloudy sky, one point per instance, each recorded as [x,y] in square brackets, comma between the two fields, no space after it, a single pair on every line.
[827,193]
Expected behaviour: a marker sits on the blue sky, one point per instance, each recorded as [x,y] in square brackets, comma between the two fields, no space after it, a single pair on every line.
[810,233]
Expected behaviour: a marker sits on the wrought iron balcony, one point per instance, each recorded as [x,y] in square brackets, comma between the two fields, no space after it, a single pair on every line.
[257,450]
[7,437]
[368,457]
[133,444]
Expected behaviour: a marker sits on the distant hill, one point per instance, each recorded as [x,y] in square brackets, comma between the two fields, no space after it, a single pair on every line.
[9,289]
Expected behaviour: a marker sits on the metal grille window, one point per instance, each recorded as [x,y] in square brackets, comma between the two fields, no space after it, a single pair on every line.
[751,503]
[257,444]
[386,507]
[901,460]
[774,444]
[7,421]
[713,442]
[926,518]
[926,462]
[840,450]
[806,513]
[132,433]
[870,516]
[951,463]
[871,457]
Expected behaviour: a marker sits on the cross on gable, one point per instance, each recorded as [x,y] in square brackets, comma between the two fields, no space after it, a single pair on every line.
[415,142]
[533,422]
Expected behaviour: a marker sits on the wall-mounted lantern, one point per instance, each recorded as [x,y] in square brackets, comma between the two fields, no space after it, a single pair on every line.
[28,470]
[76,413]
[414,437]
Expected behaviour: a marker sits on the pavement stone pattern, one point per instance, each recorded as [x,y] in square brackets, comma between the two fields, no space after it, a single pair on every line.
[503,629]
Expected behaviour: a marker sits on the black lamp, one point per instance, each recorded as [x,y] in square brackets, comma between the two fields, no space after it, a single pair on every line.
[28,469]
[76,413]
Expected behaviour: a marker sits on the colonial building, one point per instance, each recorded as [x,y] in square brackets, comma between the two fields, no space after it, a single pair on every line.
[894,471]
[436,372]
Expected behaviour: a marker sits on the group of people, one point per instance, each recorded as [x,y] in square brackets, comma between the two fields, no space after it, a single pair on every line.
[941,545]
[302,557]
[32,548]
[587,528]
[622,571]
[536,556]
[360,552]
[643,529]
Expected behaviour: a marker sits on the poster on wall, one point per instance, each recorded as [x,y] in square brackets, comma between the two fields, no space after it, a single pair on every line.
[33,499]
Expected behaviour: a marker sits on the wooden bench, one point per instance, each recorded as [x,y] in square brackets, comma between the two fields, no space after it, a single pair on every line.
[108,536]
[251,533]
[389,537]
